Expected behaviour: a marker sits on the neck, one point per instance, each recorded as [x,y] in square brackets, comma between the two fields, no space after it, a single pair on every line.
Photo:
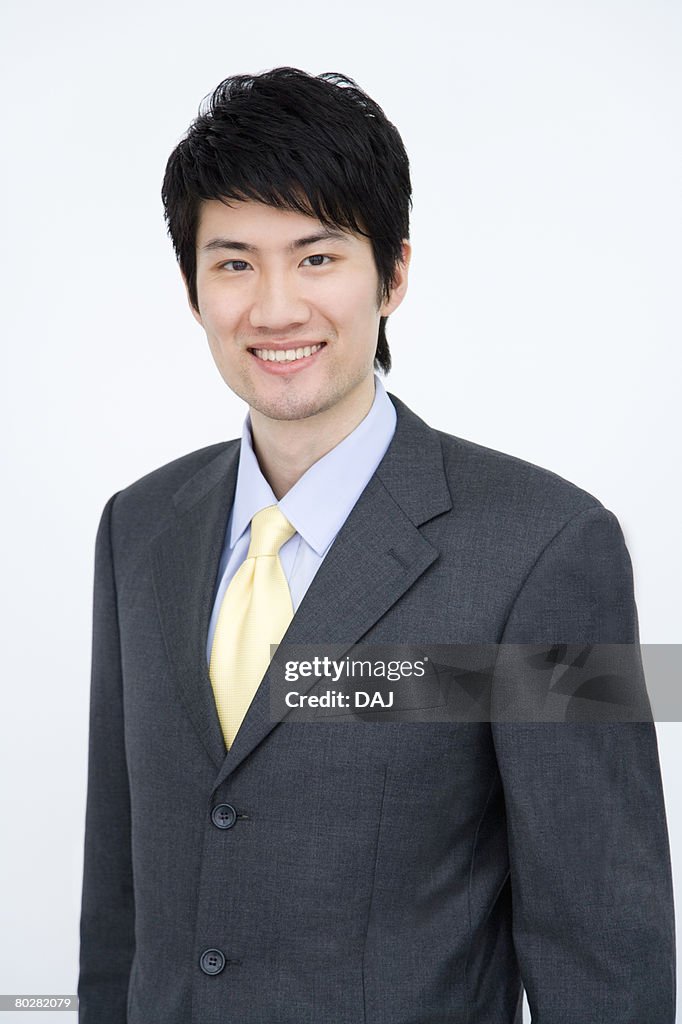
[286,449]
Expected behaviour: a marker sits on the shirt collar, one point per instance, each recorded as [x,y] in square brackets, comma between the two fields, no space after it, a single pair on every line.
[319,503]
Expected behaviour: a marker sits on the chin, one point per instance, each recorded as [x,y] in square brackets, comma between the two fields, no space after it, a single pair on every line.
[299,409]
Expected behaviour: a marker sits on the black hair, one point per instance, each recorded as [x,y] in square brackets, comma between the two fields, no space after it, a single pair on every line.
[318,145]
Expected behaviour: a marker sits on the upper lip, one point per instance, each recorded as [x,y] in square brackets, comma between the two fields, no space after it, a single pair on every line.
[283,346]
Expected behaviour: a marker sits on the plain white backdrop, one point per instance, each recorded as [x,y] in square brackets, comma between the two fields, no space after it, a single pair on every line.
[542,316]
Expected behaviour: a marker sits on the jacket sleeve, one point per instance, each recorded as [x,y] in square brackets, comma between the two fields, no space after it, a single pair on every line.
[107,936]
[592,896]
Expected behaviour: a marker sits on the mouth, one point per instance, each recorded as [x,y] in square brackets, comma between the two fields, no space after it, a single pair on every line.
[285,360]
[286,355]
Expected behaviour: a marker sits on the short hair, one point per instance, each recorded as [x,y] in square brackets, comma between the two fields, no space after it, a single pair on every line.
[318,145]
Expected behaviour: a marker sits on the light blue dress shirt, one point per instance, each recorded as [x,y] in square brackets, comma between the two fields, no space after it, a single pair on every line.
[317,505]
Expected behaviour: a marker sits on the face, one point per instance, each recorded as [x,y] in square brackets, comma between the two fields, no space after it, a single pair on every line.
[270,281]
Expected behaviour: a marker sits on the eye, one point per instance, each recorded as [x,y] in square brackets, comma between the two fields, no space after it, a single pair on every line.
[319,257]
[228,262]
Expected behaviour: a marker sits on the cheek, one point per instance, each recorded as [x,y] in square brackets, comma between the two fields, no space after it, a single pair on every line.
[220,336]
[353,307]
[220,319]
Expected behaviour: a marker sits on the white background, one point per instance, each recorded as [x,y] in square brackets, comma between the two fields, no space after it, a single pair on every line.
[542,316]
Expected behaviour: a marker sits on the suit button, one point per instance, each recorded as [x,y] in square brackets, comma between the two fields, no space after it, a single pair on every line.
[212,961]
[223,816]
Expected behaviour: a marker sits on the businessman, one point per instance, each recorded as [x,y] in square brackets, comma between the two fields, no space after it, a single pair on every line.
[243,867]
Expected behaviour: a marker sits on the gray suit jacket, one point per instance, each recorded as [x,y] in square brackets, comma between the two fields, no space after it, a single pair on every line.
[369,873]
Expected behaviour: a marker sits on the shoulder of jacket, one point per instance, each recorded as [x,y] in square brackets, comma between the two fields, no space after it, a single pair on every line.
[145,503]
[510,482]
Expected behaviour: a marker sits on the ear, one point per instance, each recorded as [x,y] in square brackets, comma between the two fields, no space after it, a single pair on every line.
[399,285]
[195,313]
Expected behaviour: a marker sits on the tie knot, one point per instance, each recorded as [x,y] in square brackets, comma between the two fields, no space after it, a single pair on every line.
[270,528]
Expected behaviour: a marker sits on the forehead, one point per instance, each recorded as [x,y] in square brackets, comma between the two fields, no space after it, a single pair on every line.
[256,226]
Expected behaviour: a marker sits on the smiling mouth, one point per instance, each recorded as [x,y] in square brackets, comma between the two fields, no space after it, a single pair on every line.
[289,355]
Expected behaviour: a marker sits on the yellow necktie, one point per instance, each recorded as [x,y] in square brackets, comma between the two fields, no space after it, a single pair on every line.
[255,613]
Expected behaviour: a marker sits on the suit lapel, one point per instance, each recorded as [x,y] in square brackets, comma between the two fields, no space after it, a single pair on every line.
[378,553]
[185,561]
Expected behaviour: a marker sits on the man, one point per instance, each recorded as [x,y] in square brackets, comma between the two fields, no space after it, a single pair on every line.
[239,867]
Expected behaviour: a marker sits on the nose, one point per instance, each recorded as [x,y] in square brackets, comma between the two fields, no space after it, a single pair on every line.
[277,302]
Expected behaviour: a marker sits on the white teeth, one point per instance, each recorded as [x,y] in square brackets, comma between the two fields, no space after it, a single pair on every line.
[285,355]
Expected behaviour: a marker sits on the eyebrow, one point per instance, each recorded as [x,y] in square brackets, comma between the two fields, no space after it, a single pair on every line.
[298,243]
